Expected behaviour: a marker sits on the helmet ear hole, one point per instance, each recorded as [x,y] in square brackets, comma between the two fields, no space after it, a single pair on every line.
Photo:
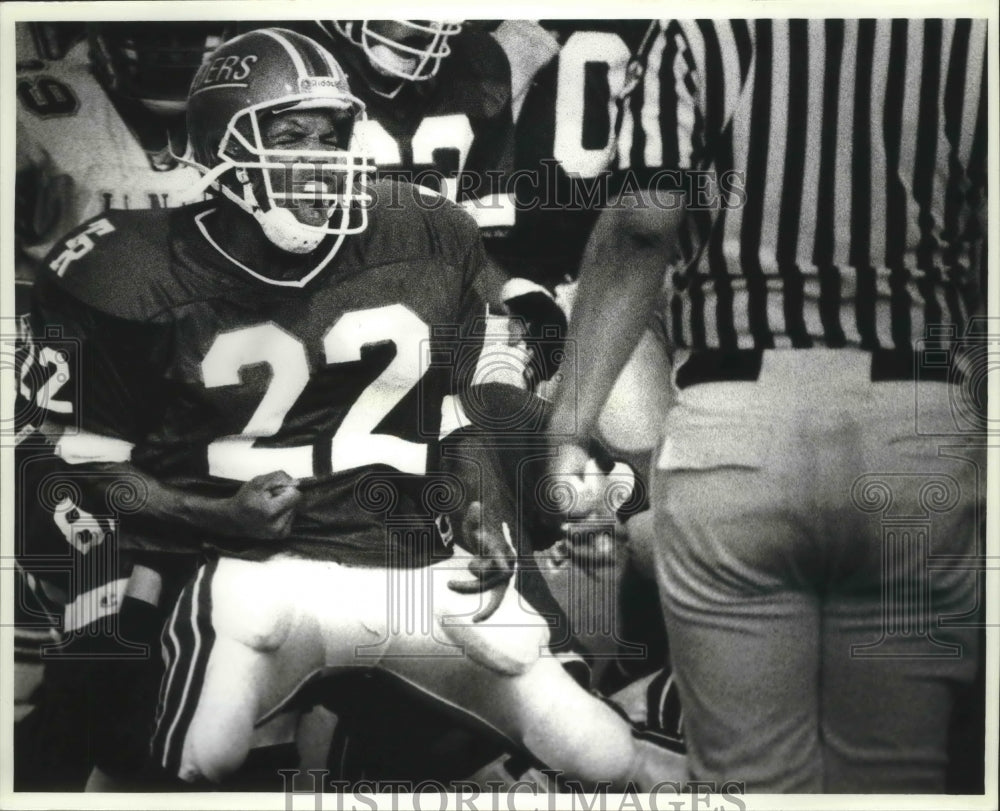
[242,175]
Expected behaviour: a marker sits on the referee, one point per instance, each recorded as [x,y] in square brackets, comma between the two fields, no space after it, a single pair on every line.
[825,451]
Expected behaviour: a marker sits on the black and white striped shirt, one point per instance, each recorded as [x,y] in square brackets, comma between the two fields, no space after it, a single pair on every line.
[848,159]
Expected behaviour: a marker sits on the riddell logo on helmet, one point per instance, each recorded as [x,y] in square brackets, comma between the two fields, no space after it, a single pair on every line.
[312,84]
[224,70]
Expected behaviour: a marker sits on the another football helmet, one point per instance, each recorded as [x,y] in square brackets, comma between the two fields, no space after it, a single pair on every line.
[272,71]
[153,63]
[411,50]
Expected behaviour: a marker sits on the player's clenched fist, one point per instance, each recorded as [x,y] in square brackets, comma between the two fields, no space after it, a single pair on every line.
[264,507]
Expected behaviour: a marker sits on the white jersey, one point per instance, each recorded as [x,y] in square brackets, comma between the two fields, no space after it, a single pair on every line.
[78,157]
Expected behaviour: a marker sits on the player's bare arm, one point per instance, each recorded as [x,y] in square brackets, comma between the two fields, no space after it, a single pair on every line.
[262,509]
[611,309]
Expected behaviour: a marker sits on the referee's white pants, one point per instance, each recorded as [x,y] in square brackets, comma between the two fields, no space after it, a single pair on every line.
[817,573]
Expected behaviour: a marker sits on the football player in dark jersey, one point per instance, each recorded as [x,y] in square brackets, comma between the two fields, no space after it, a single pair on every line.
[316,336]
[438,113]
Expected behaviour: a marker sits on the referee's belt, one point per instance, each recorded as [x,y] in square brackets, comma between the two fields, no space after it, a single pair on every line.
[744,365]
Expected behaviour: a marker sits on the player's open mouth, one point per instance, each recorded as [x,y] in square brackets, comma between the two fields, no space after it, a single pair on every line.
[311,203]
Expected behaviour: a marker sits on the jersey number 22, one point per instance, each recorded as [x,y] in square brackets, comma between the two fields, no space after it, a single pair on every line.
[354,444]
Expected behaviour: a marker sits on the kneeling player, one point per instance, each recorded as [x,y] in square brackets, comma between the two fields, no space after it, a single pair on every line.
[306,321]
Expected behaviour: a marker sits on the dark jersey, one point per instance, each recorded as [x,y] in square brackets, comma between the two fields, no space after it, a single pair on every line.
[206,376]
[566,144]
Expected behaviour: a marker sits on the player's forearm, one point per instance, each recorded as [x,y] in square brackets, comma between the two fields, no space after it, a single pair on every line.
[620,278]
[178,508]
